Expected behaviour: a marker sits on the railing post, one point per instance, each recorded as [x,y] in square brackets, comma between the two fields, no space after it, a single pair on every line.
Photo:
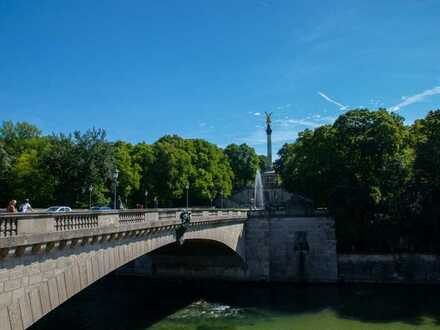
[27,225]
[108,219]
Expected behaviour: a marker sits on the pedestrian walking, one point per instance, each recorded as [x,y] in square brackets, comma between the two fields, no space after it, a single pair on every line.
[12,206]
[26,206]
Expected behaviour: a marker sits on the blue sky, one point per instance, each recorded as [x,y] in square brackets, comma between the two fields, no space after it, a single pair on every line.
[210,69]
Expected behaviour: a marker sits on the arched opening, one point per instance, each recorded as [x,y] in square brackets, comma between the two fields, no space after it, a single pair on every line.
[195,258]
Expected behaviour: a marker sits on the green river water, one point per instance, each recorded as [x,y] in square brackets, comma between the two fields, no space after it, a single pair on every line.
[135,303]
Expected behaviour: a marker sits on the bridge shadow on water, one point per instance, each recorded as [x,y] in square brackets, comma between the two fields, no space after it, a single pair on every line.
[137,303]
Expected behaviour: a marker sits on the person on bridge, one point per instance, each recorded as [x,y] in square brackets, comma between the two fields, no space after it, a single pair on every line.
[26,206]
[12,206]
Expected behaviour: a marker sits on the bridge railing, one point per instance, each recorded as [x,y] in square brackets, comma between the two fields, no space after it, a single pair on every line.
[37,223]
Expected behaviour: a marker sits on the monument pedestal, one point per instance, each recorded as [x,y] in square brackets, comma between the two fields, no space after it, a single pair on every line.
[271,180]
[276,199]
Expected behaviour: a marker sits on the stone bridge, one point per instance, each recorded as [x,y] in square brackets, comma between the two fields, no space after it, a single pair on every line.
[47,258]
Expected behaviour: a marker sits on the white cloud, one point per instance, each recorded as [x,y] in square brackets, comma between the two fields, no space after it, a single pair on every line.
[408,100]
[286,129]
[340,105]
[303,122]
[257,114]
[285,106]
[328,119]
[376,103]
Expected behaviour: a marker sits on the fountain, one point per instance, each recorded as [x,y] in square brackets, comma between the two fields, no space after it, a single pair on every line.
[267,193]
[258,191]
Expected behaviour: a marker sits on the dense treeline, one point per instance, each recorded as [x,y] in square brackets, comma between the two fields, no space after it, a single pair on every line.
[378,177]
[60,169]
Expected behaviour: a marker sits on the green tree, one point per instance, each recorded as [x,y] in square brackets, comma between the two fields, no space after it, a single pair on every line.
[424,201]
[211,173]
[19,144]
[244,163]
[309,166]
[129,171]
[196,162]
[5,165]
[28,176]
[143,155]
[359,167]
[427,160]
[262,163]
[74,162]
[172,169]
[15,136]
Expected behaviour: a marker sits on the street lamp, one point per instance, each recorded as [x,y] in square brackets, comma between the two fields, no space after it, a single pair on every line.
[115,182]
[187,193]
[221,201]
[90,196]
[146,198]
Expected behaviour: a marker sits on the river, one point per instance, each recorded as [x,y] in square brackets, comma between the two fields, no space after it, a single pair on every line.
[131,303]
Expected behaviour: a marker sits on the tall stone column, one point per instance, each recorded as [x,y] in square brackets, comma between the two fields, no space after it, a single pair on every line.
[269,146]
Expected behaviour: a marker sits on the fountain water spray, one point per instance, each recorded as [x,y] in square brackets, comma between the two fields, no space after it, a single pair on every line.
[258,191]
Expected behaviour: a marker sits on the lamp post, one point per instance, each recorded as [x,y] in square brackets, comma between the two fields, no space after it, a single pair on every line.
[115,182]
[146,198]
[221,201]
[187,194]
[90,196]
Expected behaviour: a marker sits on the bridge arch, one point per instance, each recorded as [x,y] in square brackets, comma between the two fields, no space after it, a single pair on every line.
[192,259]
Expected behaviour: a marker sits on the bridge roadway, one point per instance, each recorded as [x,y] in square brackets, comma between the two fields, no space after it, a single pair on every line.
[47,258]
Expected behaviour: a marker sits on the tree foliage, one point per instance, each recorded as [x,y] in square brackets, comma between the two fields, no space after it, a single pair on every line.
[60,169]
[198,163]
[367,169]
[244,163]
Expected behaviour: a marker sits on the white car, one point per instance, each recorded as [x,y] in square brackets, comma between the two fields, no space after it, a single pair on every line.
[58,209]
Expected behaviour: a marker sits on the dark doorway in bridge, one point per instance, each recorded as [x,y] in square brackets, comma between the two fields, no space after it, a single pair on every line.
[193,259]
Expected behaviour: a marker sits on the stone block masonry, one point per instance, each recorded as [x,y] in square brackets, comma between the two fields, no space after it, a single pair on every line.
[389,268]
[270,250]
[272,253]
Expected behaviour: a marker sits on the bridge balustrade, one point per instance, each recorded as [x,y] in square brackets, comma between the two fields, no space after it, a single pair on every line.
[132,217]
[40,223]
[8,226]
[76,221]
[169,215]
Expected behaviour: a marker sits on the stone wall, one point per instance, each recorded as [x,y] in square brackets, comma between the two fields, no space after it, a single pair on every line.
[225,268]
[273,248]
[258,248]
[398,268]
[268,250]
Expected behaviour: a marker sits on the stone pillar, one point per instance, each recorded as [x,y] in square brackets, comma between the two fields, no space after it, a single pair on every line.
[269,147]
[257,235]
